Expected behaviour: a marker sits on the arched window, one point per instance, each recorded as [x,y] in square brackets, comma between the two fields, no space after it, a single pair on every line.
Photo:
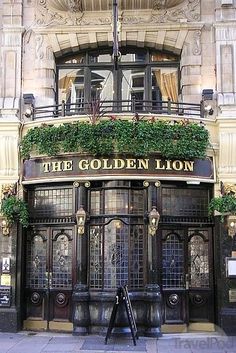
[143,77]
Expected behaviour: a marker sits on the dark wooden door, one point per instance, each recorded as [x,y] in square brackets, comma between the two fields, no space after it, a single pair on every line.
[49,278]
[187,276]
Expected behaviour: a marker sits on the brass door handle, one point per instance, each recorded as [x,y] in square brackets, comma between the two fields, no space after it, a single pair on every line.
[186,281]
[50,280]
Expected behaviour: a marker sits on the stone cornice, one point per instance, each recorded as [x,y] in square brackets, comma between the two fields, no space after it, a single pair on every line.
[77,29]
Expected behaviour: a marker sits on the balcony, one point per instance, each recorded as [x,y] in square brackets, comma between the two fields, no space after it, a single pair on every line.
[97,108]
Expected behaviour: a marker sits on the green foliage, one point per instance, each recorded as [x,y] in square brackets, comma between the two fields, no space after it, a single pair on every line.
[223,204]
[182,141]
[14,209]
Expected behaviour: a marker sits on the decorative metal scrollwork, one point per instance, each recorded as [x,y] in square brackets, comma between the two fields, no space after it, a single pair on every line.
[35,298]
[61,299]
[173,300]
[198,299]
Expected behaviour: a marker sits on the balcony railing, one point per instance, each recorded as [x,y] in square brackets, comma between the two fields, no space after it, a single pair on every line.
[103,108]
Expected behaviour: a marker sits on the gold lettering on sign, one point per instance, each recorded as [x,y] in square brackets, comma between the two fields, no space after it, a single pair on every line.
[95,164]
[178,165]
[131,163]
[119,163]
[46,167]
[106,164]
[67,165]
[159,164]
[83,164]
[56,166]
[143,164]
[188,166]
[168,164]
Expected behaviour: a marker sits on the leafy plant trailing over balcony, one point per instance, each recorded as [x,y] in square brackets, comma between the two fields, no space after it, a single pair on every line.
[226,202]
[14,209]
[223,204]
[182,141]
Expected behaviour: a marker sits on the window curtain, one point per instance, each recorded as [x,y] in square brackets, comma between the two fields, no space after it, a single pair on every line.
[167,83]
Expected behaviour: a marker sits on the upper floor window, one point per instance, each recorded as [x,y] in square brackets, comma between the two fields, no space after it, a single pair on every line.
[142,76]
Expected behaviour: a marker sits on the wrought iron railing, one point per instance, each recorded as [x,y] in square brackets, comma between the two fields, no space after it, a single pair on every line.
[100,108]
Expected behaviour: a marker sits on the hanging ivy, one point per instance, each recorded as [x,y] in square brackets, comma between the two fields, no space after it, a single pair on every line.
[181,141]
[223,204]
[14,209]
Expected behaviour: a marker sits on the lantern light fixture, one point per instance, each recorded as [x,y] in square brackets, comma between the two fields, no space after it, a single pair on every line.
[231,225]
[153,218]
[80,220]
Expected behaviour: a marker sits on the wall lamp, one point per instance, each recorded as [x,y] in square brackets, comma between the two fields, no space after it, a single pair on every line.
[153,221]
[80,220]
[5,227]
[209,110]
[231,225]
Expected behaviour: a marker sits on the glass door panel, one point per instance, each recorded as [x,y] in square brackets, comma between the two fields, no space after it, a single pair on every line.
[187,281]
[49,279]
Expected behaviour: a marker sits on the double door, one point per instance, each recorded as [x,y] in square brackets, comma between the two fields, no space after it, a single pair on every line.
[49,278]
[187,276]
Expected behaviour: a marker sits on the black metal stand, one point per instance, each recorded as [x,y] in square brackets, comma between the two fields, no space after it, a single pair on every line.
[122,295]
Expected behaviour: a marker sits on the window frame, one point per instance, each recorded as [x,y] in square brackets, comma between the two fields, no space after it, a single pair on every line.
[147,65]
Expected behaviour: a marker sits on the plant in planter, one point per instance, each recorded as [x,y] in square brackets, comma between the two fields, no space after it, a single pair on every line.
[14,209]
[139,138]
[224,204]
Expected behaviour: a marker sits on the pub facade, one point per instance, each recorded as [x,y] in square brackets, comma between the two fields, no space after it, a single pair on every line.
[117,130]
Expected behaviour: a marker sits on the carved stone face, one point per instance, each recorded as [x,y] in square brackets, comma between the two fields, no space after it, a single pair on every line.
[90,5]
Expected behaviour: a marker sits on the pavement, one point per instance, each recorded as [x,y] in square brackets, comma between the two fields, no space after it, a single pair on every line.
[32,342]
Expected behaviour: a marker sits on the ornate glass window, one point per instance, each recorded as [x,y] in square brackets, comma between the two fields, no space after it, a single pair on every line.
[172,261]
[198,259]
[117,243]
[142,76]
[51,202]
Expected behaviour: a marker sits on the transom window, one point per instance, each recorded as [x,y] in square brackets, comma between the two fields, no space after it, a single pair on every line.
[142,75]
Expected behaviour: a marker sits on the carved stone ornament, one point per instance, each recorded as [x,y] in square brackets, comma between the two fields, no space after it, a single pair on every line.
[78,12]
[8,190]
[229,188]
[165,4]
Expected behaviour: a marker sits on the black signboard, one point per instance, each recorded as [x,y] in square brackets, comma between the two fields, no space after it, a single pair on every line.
[122,295]
[80,166]
[5,296]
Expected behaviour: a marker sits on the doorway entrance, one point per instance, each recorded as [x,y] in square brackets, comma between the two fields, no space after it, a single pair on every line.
[187,277]
[49,278]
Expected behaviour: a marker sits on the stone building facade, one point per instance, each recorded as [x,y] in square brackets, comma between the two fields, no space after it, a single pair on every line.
[41,38]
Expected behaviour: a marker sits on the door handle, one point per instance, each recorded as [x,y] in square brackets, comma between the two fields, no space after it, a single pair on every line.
[186,281]
[50,280]
[48,276]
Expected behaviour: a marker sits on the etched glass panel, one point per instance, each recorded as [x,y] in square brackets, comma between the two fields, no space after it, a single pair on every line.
[62,262]
[116,255]
[96,263]
[36,263]
[136,256]
[172,262]
[198,262]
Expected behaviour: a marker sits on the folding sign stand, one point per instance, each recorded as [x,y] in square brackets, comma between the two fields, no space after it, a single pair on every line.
[122,295]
